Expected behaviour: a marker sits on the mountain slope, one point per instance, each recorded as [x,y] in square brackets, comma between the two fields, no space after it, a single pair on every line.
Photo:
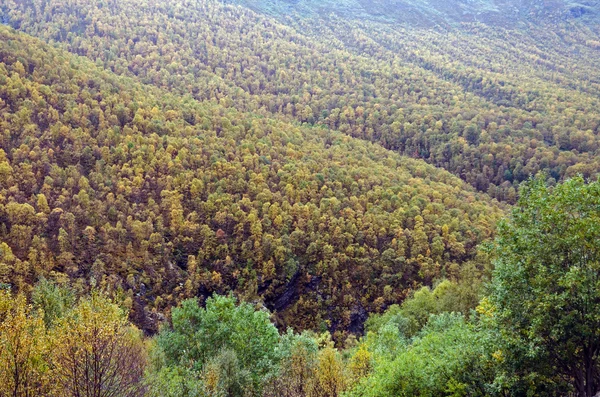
[489,104]
[107,181]
[433,12]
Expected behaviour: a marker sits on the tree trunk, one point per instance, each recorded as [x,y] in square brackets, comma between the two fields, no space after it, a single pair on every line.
[585,380]
[590,371]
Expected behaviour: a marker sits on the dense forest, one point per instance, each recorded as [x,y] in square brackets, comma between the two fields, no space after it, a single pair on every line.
[166,198]
[204,199]
[534,332]
[491,105]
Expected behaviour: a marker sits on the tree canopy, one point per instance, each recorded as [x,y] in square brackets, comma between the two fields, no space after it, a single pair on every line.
[546,285]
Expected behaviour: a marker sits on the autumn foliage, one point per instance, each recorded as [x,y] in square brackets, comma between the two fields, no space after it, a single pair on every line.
[113,183]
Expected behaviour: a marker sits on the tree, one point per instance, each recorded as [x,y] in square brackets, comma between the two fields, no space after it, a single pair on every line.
[97,353]
[238,334]
[53,300]
[23,348]
[360,363]
[448,357]
[299,359]
[546,284]
[223,376]
[330,380]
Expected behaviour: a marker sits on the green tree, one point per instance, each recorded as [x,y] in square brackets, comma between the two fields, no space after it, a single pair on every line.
[448,357]
[297,372]
[224,377]
[219,337]
[546,285]
[53,300]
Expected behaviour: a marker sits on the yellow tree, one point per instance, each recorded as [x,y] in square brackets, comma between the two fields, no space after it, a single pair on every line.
[360,363]
[330,380]
[23,349]
[97,353]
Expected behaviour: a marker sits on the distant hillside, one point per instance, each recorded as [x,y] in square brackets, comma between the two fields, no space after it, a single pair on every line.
[432,12]
[491,105]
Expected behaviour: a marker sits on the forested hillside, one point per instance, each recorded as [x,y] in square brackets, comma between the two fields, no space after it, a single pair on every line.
[431,13]
[491,104]
[299,198]
[163,197]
